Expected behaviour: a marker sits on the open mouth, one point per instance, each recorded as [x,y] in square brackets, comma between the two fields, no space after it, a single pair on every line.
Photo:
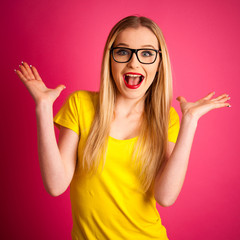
[133,80]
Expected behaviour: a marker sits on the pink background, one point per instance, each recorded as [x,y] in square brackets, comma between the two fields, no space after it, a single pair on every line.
[65,41]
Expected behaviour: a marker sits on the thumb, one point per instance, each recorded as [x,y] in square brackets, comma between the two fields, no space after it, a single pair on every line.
[181,99]
[60,88]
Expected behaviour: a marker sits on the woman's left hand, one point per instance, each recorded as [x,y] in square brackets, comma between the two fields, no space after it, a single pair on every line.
[202,106]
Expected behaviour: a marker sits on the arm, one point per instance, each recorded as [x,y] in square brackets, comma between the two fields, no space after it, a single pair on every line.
[169,180]
[57,161]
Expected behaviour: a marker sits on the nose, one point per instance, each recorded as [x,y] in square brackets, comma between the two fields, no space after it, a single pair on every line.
[134,63]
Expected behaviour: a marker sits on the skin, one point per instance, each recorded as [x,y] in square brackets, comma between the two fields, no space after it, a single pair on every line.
[130,102]
[58,160]
[135,38]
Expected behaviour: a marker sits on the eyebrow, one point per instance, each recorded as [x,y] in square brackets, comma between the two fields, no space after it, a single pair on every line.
[124,44]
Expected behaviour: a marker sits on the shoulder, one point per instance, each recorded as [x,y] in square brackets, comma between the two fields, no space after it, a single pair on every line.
[84,102]
[84,95]
[173,126]
[173,113]
[173,118]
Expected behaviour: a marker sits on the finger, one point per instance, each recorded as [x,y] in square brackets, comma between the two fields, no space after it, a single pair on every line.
[36,74]
[181,99]
[224,99]
[24,72]
[21,76]
[29,71]
[209,95]
[220,97]
[220,105]
[60,88]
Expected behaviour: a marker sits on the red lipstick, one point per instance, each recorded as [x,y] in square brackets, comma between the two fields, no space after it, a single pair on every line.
[133,86]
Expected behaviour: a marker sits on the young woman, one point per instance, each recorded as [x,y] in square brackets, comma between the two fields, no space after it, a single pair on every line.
[121,149]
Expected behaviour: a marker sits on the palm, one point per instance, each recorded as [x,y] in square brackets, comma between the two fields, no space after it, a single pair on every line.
[203,105]
[38,89]
[36,86]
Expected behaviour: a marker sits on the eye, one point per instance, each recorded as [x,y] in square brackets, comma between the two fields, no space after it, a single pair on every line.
[122,52]
[147,53]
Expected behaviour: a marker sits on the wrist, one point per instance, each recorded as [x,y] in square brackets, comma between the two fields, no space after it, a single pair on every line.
[189,119]
[43,106]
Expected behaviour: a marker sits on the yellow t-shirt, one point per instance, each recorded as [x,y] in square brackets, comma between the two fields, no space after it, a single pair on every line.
[110,204]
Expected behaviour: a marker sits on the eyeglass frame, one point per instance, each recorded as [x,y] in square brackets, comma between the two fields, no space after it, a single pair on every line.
[136,52]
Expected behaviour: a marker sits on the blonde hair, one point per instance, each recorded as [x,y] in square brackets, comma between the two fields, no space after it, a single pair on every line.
[151,145]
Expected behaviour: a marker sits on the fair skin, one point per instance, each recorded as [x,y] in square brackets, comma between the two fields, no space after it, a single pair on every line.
[58,160]
[130,102]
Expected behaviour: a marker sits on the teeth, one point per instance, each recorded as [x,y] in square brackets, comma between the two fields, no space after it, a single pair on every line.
[133,75]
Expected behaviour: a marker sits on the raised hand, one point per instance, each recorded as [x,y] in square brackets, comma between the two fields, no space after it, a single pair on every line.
[32,80]
[202,106]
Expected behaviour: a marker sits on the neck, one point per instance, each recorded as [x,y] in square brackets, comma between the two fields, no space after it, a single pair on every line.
[127,106]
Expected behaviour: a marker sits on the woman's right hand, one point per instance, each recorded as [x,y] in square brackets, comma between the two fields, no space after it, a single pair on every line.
[32,80]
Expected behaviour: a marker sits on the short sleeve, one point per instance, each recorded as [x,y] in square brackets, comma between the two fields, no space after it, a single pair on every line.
[68,115]
[174,125]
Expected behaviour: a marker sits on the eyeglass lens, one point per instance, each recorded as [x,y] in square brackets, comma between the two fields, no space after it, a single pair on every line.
[144,55]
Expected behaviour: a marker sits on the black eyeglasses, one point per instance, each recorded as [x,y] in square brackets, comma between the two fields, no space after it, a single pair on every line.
[144,55]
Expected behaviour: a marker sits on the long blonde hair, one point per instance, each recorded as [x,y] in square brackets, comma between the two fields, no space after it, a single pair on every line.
[151,145]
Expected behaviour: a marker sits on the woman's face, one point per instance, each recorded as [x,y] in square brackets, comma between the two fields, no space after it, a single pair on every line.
[134,78]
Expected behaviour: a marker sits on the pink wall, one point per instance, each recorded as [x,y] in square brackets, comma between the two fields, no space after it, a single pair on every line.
[65,40]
